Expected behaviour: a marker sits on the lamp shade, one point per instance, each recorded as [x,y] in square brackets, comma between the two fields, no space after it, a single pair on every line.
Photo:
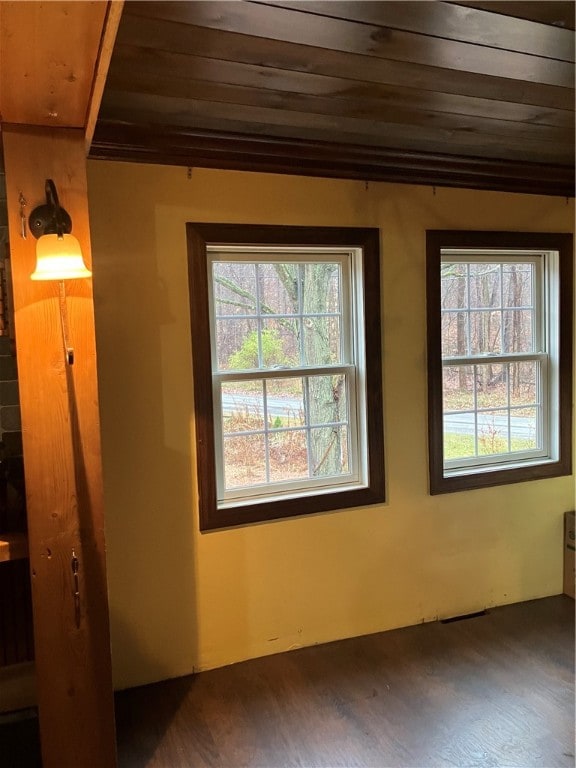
[59,258]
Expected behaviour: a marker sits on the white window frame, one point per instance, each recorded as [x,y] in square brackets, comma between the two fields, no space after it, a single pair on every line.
[352,367]
[546,293]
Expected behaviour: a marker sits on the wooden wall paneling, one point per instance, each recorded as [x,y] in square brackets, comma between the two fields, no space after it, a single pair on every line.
[303,28]
[175,37]
[447,21]
[47,54]
[157,69]
[59,406]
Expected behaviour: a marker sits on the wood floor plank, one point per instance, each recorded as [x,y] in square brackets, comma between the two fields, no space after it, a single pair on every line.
[492,691]
[495,691]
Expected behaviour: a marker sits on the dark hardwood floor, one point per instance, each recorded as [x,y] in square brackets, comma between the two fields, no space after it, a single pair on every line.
[492,691]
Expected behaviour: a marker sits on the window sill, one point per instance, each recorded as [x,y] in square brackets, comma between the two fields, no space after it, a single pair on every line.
[488,477]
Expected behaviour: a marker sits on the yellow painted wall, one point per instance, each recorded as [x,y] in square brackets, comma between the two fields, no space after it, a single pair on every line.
[181,600]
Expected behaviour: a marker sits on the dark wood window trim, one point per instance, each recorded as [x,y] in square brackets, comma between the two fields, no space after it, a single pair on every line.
[437,240]
[199,236]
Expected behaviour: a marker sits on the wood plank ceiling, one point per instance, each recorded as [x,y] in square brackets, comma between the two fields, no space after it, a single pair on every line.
[473,94]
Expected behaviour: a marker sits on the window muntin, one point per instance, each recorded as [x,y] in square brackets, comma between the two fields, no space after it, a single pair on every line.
[351,371]
[499,357]
[284,372]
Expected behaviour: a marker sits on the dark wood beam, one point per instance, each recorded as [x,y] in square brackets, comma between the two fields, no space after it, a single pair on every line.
[193,114]
[316,158]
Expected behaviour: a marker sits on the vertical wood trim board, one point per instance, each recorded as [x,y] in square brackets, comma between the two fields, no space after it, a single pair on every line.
[62,459]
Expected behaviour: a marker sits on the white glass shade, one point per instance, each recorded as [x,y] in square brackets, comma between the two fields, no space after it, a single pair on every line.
[59,258]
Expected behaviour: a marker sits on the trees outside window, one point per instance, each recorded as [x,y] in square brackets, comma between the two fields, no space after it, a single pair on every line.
[499,330]
[285,369]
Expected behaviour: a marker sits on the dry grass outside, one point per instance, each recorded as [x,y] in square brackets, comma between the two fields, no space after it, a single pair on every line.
[244,454]
[245,450]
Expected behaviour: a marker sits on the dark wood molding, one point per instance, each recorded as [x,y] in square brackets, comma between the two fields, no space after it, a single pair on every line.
[199,236]
[232,151]
[435,241]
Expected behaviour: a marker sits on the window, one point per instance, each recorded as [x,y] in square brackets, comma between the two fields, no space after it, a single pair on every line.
[287,367]
[499,357]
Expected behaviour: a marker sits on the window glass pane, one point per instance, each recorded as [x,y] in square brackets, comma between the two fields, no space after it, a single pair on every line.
[244,461]
[288,455]
[320,285]
[524,429]
[321,341]
[278,288]
[242,406]
[458,387]
[237,344]
[518,330]
[285,403]
[327,399]
[454,286]
[485,285]
[329,451]
[517,285]
[234,285]
[327,403]
[485,332]
[459,436]
[523,383]
[493,432]
[454,334]
[279,343]
[491,385]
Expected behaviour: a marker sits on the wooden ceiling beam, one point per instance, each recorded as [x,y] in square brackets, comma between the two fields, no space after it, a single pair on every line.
[210,149]
[190,114]
[109,32]
[47,57]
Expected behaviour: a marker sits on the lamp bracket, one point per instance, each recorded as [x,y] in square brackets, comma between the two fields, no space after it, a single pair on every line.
[50,219]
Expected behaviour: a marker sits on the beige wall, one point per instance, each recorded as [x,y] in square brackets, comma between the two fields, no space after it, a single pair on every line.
[181,600]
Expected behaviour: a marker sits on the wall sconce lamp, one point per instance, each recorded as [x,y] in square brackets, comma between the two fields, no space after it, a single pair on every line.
[58,253]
